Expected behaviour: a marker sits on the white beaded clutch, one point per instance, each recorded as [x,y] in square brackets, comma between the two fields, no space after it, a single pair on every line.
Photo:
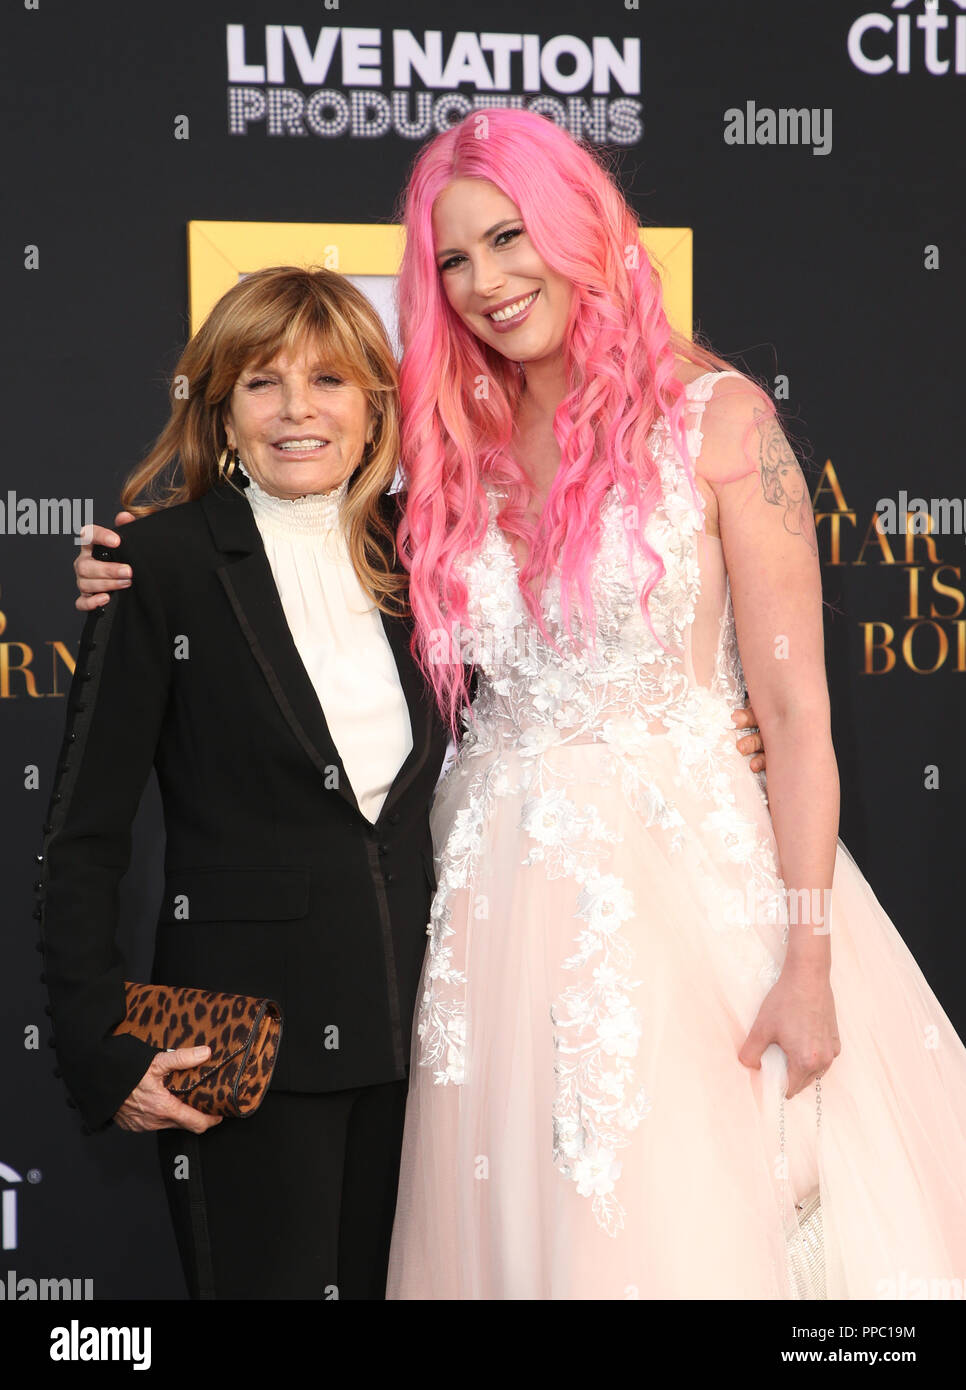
[806,1249]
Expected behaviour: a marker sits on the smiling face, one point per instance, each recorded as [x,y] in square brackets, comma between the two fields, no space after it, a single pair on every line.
[493,275]
[297,424]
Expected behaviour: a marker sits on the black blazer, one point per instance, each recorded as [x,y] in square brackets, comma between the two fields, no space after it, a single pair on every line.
[275,883]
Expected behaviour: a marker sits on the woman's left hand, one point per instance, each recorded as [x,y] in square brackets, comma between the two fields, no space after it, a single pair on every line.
[797,1013]
[751,743]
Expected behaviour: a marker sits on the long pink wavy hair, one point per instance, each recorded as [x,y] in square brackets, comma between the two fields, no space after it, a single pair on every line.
[620,352]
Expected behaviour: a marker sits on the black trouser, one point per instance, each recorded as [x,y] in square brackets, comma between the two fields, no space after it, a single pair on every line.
[295,1201]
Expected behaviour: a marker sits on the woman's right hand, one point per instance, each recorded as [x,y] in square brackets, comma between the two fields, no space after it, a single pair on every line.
[96,577]
[152,1106]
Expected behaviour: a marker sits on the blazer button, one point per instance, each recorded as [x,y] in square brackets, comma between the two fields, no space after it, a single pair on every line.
[389,877]
[71,738]
[56,797]
[38,912]
[383,849]
[38,885]
[38,858]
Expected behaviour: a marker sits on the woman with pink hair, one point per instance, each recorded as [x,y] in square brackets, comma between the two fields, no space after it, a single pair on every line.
[641,967]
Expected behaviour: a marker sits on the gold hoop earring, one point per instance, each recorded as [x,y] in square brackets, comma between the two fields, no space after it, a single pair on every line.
[224,472]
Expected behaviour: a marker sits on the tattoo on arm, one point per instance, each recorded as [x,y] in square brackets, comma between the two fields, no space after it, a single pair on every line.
[782,480]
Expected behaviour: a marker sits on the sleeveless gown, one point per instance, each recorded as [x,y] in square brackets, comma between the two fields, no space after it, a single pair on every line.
[578,1123]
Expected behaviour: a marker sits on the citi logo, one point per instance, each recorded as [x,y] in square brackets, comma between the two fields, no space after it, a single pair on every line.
[932,41]
[8,1207]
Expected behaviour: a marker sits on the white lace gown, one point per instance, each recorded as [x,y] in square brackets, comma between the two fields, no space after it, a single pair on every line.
[578,1124]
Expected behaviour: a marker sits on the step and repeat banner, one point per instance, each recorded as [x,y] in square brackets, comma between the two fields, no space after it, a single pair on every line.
[795,170]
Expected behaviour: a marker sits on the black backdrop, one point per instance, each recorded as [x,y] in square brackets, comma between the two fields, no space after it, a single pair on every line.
[812,266]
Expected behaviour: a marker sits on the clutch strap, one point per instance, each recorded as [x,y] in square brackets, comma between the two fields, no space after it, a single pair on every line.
[804,1243]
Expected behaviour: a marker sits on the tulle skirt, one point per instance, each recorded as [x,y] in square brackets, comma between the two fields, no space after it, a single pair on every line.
[579,1125]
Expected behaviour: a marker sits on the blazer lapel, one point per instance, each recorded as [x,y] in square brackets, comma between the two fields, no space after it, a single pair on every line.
[250,586]
[421,709]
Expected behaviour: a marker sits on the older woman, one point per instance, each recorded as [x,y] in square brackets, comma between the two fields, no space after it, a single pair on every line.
[261,663]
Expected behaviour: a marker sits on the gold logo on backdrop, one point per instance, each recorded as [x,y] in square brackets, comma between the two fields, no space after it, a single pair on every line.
[929,634]
[369,253]
[18,677]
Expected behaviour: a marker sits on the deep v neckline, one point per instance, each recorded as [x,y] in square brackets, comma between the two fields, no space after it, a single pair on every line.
[503,541]
[493,496]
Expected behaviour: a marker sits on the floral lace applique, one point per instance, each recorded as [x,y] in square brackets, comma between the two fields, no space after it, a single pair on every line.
[441,1024]
[625,692]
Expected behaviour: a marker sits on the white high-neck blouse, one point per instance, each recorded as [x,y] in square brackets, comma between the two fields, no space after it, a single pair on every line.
[339,636]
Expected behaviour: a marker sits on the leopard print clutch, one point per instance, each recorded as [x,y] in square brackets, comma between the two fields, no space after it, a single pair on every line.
[243,1035]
